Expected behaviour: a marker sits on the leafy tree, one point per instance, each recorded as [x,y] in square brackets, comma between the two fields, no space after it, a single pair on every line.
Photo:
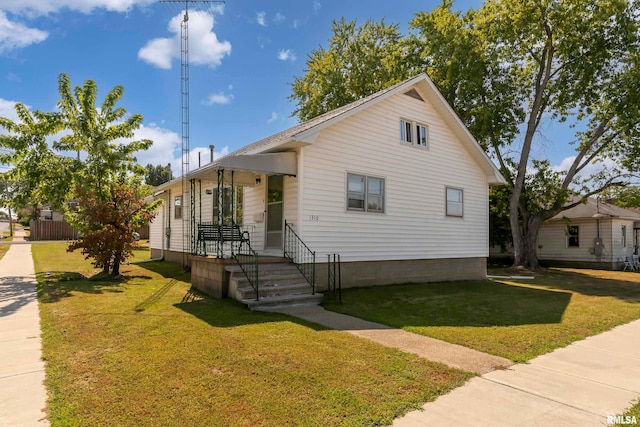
[625,197]
[156,175]
[512,65]
[359,61]
[110,223]
[102,169]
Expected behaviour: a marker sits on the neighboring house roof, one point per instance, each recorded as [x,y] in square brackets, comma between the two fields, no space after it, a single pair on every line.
[594,208]
[307,132]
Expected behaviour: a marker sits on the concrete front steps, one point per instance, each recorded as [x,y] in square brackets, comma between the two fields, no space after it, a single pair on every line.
[281,286]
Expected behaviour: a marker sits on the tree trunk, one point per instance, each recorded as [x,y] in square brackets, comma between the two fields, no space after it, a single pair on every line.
[116,264]
[526,251]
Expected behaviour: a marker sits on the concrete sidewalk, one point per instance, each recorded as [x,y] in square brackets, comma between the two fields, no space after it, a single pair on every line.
[432,349]
[22,392]
[579,385]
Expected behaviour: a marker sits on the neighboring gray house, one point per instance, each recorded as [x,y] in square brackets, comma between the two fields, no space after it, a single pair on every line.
[591,235]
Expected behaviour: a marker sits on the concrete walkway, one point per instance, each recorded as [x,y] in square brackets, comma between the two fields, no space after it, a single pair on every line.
[22,392]
[432,349]
[579,385]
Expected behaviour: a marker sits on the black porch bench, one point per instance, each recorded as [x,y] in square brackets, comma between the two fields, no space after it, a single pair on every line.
[224,233]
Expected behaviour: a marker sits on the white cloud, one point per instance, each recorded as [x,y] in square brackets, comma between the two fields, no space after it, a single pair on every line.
[273,118]
[204,46]
[44,7]
[296,24]
[278,18]
[176,163]
[12,77]
[15,35]
[607,165]
[220,98]
[287,55]
[261,18]
[7,109]
[166,145]
[316,6]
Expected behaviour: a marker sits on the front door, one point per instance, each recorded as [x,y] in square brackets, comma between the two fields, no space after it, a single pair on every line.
[275,211]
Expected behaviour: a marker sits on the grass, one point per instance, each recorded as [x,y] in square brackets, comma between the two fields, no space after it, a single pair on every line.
[634,411]
[516,319]
[4,249]
[146,351]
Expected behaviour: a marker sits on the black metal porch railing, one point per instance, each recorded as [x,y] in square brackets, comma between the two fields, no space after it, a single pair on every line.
[300,255]
[247,259]
[334,276]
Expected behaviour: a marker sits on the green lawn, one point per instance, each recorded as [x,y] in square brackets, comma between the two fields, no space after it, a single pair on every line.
[634,411]
[144,351]
[4,249]
[516,319]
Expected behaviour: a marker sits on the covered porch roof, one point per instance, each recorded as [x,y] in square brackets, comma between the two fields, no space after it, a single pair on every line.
[241,169]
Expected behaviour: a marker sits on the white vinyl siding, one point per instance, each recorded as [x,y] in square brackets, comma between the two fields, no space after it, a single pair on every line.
[414,225]
[553,241]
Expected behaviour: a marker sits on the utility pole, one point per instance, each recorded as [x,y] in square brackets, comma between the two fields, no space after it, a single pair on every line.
[184,109]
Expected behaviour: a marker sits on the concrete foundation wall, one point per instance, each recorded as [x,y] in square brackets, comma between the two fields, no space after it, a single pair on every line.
[374,273]
[172,256]
[209,276]
[583,264]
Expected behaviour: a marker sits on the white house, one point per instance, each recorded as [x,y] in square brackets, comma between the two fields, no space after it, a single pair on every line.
[394,183]
[591,235]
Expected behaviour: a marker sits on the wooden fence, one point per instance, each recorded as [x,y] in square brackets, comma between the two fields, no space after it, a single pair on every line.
[60,230]
[51,230]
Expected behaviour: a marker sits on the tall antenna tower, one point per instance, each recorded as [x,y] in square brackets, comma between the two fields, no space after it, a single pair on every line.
[205,7]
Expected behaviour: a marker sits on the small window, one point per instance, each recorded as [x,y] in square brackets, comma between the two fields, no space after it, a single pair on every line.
[455,202]
[365,193]
[421,135]
[177,210]
[414,133]
[573,236]
[405,131]
[375,195]
[624,236]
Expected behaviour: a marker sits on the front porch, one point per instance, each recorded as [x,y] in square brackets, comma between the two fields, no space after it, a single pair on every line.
[240,245]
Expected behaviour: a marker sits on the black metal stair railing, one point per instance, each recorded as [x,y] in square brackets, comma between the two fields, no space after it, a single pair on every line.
[247,259]
[300,255]
[334,276]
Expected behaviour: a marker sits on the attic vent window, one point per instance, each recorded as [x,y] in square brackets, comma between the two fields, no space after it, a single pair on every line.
[414,94]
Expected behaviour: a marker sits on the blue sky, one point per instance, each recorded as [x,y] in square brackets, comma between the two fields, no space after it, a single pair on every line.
[243,58]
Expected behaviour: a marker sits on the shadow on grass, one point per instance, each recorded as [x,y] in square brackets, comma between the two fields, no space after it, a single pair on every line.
[229,313]
[472,303]
[619,285]
[55,285]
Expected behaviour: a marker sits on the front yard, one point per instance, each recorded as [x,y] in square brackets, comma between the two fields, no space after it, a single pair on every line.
[516,319]
[144,351]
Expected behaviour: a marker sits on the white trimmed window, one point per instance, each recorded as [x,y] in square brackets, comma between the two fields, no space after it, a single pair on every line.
[414,133]
[365,193]
[455,202]
[573,236]
[177,208]
[624,236]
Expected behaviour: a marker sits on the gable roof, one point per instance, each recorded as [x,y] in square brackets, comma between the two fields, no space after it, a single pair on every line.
[308,131]
[594,208]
